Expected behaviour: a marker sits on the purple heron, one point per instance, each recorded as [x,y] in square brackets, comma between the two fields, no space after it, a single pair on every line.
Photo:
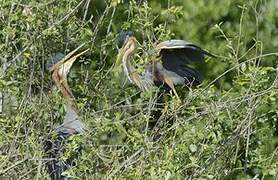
[169,66]
[72,123]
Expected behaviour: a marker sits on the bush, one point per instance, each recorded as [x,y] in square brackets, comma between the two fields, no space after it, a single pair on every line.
[226,128]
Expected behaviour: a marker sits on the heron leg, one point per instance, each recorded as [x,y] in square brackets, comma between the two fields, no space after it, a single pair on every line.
[170,83]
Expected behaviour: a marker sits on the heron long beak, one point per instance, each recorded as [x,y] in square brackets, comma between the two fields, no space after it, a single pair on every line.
[65,67]
[69,58]
[119,58]
[120,54]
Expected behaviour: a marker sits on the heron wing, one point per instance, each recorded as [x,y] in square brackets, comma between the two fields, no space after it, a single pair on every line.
[188,52]
[173,62]
[176,55]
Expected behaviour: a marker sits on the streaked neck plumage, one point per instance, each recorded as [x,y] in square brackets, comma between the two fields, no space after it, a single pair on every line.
[130,71]
[63,86]
[128,50]
[72,123]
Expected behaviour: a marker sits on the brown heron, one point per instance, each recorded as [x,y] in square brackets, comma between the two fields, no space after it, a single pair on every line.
[174,69]
[72,123]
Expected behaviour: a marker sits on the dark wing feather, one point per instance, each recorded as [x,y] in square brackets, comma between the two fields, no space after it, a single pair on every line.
[55,148]
[175,63]
[177,54]
[189,52]
[190,75]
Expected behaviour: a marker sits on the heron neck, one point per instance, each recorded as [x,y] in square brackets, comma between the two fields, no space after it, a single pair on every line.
[126,60]
[72,122]
[63,86]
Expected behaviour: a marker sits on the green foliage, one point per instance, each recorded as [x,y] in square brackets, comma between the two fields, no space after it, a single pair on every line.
[226,128]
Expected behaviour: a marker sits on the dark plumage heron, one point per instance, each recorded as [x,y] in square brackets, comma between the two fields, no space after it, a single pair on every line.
[72,123]
[174,68]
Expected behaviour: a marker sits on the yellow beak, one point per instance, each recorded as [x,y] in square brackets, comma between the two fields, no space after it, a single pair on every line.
[119,59]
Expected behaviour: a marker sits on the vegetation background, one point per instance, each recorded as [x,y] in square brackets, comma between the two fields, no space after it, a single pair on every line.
[227,128]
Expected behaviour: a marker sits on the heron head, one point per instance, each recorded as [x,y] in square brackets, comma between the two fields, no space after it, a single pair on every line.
[53,59]
[125,42]
[123,38]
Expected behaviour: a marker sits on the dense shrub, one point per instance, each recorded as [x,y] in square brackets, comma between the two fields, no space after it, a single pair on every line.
[226,128]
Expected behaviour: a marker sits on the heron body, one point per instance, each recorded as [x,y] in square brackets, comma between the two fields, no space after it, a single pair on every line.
[158,73]
[174,68]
